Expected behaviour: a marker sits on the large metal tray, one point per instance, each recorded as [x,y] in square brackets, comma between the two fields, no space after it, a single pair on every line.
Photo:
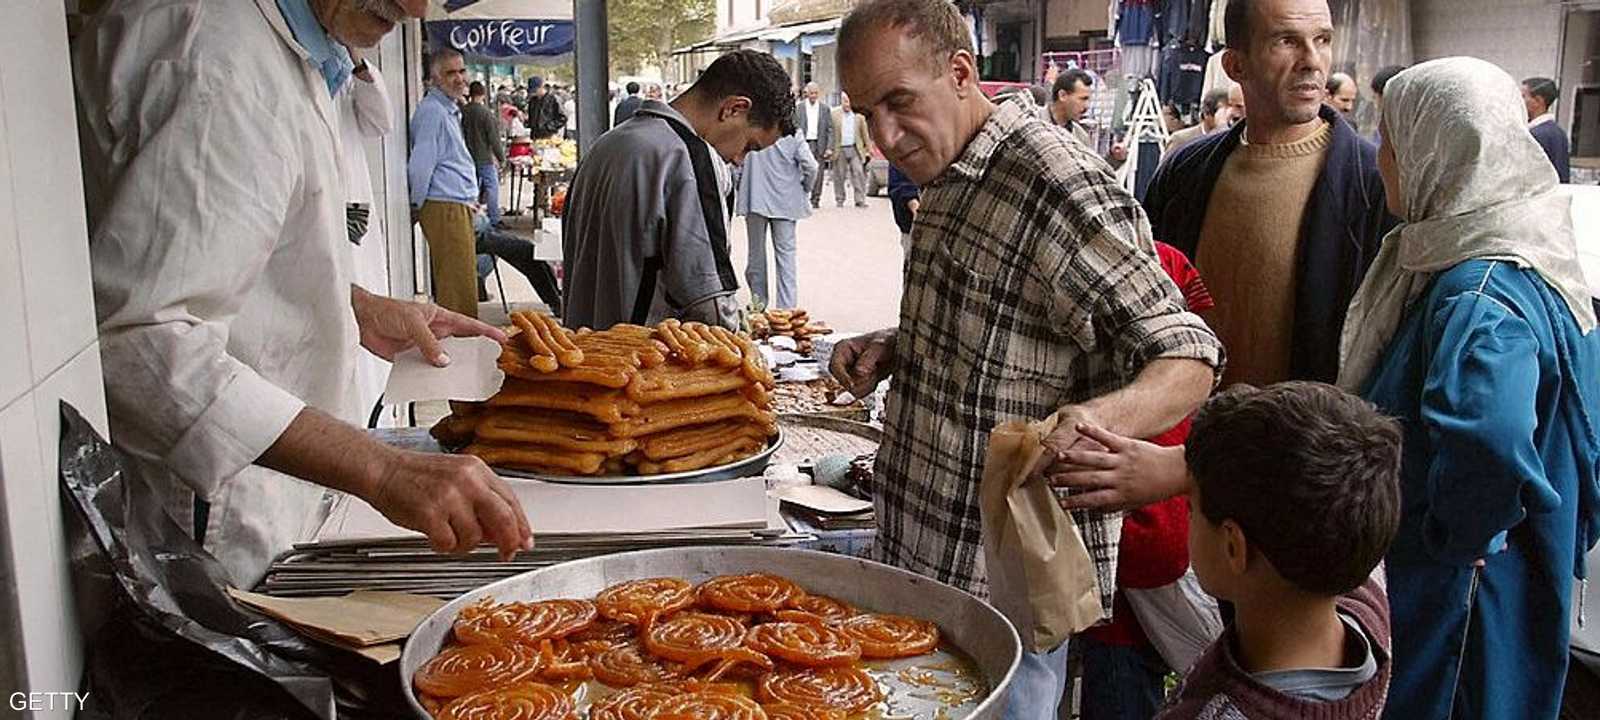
[750,466]
[972,626]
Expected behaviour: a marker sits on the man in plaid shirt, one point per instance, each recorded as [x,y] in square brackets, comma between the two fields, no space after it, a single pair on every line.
[1032,287]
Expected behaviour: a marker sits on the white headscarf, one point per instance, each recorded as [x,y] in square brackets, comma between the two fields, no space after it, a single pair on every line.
[1475,185]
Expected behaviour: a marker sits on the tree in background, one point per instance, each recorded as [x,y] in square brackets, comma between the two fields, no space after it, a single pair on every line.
[645,32]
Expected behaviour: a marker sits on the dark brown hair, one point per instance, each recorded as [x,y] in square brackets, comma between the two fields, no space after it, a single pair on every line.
[936,22]
[1308,471]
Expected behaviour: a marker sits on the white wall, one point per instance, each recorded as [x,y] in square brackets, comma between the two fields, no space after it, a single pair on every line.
[1522,36]
[48,350]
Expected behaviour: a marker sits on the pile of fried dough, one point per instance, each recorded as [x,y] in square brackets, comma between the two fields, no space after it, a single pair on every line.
[630,400]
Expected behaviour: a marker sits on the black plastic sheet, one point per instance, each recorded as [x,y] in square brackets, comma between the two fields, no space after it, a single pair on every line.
[163,639]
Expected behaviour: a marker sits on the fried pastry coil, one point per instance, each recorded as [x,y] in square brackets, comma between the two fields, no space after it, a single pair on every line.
[791,711]
[537,458]
[555,429]
[674,414]
[541,356]
[736,449]
[515,364]
[562,661]
[465,669]
[805,644]
[639,601]
[724,351]
[891,636]
[690,637]
[846,689]
[607,631]
[631,345]
[700,438]
[629,665]
[749,593]
[549,346]
[522,701]
[709,706]
[754,367]
[672,382]
[685,345]
[523,622]
[636,703]
[823,607]
[455,430]
[604,404]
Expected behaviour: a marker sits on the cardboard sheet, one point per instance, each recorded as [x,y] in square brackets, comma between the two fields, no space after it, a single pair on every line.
[361,620]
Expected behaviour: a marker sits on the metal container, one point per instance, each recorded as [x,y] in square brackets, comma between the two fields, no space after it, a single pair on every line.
[965,621]
[748,467]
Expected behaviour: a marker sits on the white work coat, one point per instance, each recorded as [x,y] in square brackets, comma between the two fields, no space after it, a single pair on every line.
[364,114]
[215,191]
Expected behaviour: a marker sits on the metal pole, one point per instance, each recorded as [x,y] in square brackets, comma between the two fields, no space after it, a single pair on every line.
[594,74]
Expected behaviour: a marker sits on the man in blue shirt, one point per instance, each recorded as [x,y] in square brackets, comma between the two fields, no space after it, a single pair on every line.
[444,184]
[1540,95]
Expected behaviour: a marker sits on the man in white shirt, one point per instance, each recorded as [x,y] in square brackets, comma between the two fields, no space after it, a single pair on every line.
[222,278]
[815,120]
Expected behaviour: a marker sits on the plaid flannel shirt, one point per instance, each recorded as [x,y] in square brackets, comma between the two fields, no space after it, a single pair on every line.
[1032,284]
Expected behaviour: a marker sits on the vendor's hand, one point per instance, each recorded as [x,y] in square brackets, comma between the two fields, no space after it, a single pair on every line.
[456,500]
[389,326]
[860,363]
[1121,474]
[1119,153]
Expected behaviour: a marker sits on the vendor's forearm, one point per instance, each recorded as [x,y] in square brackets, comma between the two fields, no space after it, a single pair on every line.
[1164,393]
[321,449]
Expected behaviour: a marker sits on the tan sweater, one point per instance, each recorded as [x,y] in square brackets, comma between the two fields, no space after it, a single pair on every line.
[1248,248]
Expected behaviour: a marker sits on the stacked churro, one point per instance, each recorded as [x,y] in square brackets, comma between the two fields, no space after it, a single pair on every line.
[629,400]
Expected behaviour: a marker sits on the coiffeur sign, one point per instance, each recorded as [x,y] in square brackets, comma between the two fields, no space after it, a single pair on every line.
[503,38]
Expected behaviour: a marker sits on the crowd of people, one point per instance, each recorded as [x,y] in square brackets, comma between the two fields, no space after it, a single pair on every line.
[1391,494]
[1377,315]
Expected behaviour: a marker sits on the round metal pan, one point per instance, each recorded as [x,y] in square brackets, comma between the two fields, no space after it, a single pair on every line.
[973,627]
[750,466]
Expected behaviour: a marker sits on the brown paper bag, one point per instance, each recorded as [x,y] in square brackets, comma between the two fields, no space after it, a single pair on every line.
[1040,574]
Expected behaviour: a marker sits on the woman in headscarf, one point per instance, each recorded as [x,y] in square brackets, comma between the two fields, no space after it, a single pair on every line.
[1473,326]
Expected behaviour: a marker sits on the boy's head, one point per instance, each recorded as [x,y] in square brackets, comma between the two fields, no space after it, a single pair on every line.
[1295,490]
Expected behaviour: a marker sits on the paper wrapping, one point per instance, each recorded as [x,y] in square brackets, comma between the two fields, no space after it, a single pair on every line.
[1041,576]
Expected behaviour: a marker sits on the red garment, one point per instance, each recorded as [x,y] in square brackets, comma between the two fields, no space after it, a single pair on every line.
[1155,538]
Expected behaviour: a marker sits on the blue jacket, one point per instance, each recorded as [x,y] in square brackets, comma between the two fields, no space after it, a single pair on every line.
[1345,221]
[1493,382]
[1556,145]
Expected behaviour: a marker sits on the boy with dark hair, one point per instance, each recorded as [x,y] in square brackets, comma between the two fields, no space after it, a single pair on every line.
[1294,501]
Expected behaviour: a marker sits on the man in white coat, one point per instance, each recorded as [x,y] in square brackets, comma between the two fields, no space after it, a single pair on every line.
[216,190]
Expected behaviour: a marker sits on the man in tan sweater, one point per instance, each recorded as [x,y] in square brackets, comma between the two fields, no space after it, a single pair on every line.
[1283,213]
